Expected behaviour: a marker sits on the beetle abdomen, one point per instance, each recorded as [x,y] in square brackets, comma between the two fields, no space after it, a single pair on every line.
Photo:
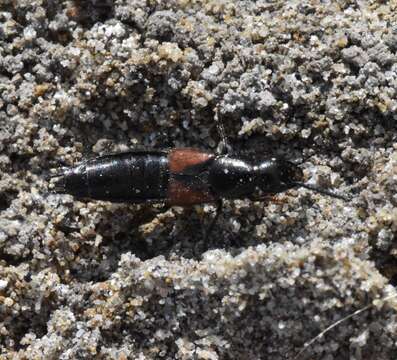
[130,176]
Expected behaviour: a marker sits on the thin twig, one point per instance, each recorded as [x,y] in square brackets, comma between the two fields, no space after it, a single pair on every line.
[359,311]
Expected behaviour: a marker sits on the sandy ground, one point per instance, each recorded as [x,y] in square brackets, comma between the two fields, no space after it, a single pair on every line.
[305,80]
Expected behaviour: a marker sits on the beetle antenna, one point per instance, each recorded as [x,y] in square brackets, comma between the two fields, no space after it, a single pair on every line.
[322,191]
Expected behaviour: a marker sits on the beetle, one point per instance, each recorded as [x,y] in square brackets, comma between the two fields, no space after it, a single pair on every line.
[180,177]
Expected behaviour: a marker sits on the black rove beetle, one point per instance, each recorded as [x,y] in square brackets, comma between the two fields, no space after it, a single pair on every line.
[180,177]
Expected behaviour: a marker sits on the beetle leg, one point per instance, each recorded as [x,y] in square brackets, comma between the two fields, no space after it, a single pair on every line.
[223,147]
[268,198]
[214,219]
[53,173]
[263,198]
[66,226]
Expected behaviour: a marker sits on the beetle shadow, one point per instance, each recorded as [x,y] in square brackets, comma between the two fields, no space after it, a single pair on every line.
[99,250]
[149,231]
[146,232]
[237,232]
[240,229]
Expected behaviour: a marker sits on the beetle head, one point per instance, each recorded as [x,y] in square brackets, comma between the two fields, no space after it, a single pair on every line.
[277,175]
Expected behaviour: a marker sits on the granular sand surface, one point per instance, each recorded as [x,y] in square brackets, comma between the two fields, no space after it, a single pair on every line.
[314,81]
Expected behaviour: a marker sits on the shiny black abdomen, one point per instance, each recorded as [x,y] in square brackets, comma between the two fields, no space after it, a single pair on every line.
[128,177]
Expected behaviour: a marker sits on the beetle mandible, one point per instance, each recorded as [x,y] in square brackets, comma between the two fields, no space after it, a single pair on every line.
[181,176]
